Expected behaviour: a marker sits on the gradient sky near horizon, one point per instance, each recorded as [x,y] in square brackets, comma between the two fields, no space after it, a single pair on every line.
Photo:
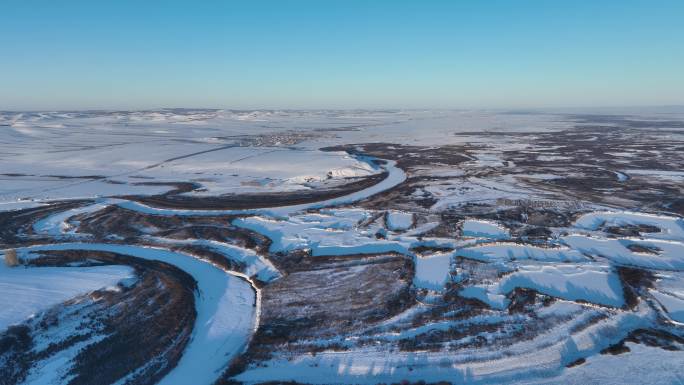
[340,54]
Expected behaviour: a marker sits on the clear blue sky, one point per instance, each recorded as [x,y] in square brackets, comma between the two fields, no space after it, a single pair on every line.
[340,54]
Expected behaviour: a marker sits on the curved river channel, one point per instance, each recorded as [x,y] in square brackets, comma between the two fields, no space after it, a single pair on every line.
[227,302]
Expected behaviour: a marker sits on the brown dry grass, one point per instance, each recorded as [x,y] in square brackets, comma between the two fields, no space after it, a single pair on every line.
[11,258]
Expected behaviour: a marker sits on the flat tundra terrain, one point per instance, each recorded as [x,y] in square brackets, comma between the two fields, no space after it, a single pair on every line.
[206,247]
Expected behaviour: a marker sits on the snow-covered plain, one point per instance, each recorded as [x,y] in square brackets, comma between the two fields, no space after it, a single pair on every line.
[66,155]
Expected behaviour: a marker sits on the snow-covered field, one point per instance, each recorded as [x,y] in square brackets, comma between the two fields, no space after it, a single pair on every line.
[26,292]
[48,156]
[371,247]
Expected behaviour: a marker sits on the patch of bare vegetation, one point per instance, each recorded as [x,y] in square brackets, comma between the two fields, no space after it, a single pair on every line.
[11,259]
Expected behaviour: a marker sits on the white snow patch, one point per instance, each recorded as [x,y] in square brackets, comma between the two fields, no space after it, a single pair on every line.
[432,271]
[19,205]
[593,284]
[515,251]
[27,291]
[672,228]
[670,256]
[399,220]
[637,366]
[672,304]
[484,229]
[676,176]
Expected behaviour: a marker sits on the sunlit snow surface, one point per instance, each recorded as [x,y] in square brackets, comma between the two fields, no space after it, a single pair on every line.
[28,291]
[108,155]
[69,155]
[56,155]
[485,229]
